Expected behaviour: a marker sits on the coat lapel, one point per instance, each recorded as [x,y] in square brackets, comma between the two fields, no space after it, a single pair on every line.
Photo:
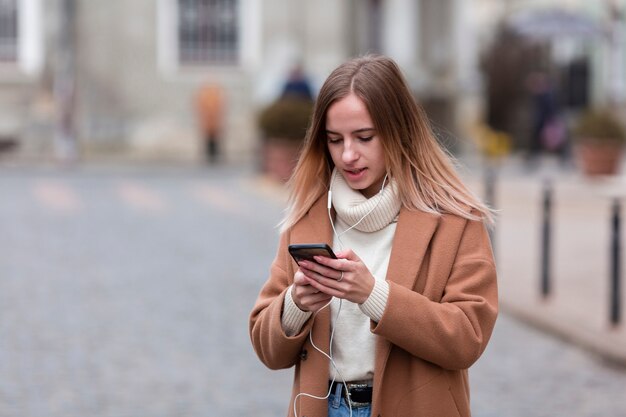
[413,234]
[315,226]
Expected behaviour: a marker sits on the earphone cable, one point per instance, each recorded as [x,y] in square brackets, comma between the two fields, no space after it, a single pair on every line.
[329,356]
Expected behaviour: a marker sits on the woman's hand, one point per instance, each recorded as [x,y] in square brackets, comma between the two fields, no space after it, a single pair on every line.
[307,297]
[346,277]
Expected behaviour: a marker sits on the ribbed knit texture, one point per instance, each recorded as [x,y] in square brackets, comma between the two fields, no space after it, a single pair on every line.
[293,318]
[374,306]
[351,205]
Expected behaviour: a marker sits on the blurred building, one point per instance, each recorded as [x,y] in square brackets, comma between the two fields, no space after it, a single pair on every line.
[580,45]
[119,77]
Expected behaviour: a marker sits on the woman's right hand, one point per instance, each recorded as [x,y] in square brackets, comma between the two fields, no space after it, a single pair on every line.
[306,297]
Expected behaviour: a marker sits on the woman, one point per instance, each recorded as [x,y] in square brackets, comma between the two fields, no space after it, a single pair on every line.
[413,297]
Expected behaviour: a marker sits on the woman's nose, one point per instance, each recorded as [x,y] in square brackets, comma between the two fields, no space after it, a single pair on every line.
[349,153]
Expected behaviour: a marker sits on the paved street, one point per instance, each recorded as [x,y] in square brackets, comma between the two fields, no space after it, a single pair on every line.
[125,292]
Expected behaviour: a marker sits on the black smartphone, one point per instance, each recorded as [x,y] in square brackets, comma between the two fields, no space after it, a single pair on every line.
[306,251]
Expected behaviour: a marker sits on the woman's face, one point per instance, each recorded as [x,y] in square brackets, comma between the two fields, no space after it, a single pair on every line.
[355,146]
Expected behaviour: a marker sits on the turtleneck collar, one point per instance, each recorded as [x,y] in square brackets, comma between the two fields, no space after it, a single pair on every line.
[350,205]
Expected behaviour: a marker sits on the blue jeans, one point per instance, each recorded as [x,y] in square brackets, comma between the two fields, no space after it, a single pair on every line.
[338,407]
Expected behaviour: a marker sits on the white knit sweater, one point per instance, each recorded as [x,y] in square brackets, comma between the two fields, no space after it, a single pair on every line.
[353,348]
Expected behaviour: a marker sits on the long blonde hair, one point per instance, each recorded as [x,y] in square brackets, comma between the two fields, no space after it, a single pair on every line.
[424,172]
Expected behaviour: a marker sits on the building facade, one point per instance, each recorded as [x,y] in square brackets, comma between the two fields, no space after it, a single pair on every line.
[80,78]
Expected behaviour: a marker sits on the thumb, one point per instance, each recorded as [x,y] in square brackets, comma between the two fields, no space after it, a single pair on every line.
[347,254]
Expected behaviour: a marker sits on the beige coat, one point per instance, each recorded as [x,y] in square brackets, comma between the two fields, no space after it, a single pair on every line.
[439,317]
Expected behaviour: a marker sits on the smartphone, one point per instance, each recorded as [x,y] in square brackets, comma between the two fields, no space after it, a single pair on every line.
[307,251]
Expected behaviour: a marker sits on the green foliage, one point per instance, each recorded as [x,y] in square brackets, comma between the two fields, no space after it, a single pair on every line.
[599,126]
[286,118]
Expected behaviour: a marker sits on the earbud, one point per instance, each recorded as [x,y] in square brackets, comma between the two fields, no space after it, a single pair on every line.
[330,192]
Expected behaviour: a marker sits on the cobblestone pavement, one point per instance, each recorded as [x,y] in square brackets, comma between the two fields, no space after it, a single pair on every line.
[125,292]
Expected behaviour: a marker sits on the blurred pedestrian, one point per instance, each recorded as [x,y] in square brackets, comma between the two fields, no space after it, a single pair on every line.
[548,127]
[391,326]
[297,84]
[210,111]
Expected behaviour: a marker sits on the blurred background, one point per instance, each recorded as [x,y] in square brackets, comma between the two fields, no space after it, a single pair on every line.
[144,146]
[120,79]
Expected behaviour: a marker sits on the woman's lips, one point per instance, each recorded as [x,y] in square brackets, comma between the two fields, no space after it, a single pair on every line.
[355,174]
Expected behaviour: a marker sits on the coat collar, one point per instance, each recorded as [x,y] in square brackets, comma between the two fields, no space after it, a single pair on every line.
[413,234]
[315,226]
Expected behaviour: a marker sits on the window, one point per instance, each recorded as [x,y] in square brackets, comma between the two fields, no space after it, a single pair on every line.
[21,38]
[195,34]
[208,32]
[8,30]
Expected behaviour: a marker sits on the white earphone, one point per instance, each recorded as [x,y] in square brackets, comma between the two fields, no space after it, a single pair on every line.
[329,205]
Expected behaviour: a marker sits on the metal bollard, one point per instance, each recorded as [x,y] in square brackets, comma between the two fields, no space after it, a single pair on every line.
[615,286]
[545,239]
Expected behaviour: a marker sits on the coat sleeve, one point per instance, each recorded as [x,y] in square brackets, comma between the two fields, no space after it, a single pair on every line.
[452,331]
[275,349]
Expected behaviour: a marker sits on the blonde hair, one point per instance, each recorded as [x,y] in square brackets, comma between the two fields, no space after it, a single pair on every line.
[423,171]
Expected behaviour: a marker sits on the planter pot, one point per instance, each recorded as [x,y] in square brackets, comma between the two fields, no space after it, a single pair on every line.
[599,158]
[279,158]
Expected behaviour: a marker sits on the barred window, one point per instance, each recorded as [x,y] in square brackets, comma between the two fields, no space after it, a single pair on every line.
[8,30]
[208,32]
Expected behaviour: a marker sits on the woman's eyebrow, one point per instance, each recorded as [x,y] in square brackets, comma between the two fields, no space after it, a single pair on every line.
[361,130]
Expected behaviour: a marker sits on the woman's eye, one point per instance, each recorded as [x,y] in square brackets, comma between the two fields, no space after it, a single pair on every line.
[366,139]
[334,140]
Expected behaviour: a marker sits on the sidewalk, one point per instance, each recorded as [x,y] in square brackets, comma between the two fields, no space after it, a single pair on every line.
[578,306]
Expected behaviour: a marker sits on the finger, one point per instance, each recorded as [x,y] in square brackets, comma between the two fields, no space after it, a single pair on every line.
[307,299]
[318,271]
[300,278]
[317,278]
[328,286]
[305,291]
[340,278]
[314,302]
[318,298]
[311,274]
[338,268]
[315,267]
[320,304]
[336,264]
[329,273]
[348,254]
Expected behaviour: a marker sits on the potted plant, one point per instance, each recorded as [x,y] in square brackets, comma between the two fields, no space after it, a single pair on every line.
[283,124]
[599,140]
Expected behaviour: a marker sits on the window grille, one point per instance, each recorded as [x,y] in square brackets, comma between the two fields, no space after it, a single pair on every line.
[208,32]
[8,30]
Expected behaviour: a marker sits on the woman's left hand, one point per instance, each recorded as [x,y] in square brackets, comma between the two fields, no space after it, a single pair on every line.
[346,277]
